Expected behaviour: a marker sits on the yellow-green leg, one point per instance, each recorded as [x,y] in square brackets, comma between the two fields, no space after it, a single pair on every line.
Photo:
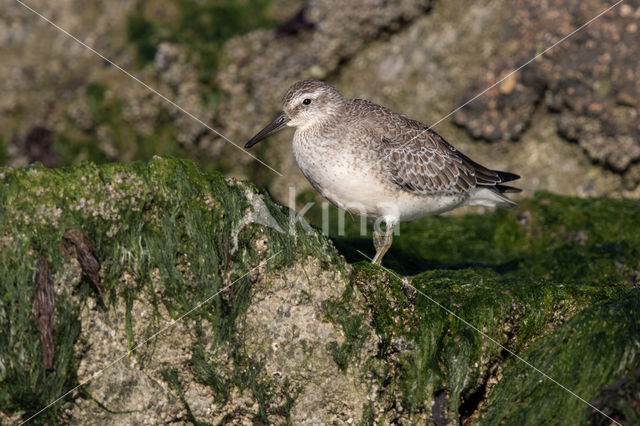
[382,243]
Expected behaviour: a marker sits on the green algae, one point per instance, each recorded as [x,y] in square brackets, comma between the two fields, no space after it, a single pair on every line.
[170,375]
[431,348]
[163,226]
[571,227]
[577,229]
[595,347]
[4,146]
[618,400]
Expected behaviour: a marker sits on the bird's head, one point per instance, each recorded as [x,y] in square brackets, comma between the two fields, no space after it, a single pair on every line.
[307,103]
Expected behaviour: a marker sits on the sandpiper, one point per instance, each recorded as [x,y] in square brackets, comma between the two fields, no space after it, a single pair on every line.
[373,162]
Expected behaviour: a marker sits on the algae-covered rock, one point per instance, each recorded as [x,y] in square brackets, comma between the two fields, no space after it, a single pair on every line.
[167,238]
[218,308]
[508,314]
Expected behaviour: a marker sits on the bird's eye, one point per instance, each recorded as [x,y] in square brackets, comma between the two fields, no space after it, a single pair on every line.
[306,101]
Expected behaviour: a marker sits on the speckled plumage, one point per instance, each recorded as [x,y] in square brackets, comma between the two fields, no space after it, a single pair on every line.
[371,161]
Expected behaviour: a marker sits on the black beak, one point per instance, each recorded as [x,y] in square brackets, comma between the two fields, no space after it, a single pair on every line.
[278,123]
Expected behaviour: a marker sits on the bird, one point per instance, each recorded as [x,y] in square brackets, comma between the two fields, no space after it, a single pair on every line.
[371,161]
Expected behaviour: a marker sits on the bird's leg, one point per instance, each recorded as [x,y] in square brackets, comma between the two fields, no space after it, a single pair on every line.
[378,240]
[382,243]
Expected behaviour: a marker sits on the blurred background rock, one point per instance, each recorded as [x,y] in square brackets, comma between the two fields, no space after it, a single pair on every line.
[568,122]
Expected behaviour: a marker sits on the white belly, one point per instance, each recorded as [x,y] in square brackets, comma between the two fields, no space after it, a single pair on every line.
[361,190]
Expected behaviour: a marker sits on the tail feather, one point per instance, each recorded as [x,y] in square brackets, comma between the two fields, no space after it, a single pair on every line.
[508,189]
[489,190]
[490,196]
[506,176]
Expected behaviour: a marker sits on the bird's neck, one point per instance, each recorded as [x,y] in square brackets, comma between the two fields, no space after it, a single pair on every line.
[326,124]
[318,131]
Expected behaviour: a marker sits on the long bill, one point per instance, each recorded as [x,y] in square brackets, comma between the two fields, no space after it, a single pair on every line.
[278,123]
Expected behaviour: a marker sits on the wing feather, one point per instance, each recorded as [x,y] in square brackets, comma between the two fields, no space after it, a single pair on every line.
[427,164]
[422,162]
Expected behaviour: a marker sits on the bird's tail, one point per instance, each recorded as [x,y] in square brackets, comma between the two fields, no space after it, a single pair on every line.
[491,194]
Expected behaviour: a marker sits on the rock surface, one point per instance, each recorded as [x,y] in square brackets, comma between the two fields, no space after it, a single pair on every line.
[590,82]
[219,309]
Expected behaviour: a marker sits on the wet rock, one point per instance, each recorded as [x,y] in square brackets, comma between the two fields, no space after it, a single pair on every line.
[44,73]
[107,206]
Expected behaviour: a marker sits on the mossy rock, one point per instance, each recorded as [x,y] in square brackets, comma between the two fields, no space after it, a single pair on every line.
[448,334]
[162,231]
[553,283]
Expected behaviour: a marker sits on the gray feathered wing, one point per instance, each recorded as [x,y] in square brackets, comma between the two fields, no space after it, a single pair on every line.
[424,163]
